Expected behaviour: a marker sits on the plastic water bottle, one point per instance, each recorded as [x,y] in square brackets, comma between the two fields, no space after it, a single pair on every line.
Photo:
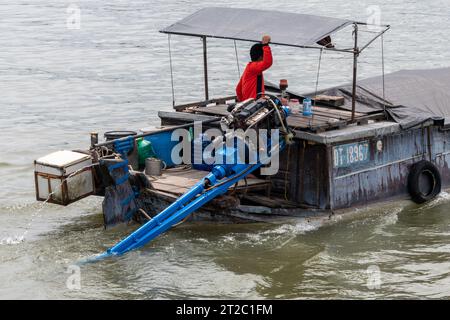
[307,107]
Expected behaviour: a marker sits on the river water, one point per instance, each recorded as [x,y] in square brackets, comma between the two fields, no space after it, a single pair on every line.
[57,84]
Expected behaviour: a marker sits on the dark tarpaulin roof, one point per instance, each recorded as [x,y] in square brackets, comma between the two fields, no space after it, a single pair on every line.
[285,28]
[412,96]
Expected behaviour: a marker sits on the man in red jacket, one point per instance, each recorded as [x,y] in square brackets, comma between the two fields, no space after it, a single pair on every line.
[251,84]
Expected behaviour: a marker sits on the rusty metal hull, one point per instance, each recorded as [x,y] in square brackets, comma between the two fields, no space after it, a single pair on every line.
[385,175]
[318,180]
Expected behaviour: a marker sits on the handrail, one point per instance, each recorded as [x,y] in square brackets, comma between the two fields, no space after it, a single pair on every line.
[146,134]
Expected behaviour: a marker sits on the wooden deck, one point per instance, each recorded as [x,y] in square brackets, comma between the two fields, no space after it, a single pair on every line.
[244,196]
[323,118]
[177,181]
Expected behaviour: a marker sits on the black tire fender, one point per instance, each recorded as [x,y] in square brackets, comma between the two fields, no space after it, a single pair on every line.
[424,181]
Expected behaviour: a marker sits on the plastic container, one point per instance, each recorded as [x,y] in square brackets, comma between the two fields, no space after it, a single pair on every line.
[294,104]
[145,150]
[307,107]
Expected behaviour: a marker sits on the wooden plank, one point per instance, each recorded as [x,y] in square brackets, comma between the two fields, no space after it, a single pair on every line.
[320,113]
[330,100]
[221,110]
[222,202]
[218,110]
[337,111]
[334,112]
[185,184]
[317,117]
[268,202]
[329,116]
[221,100]
[169,189]
[178,182]
[183,116]
[324,118]
[304,122]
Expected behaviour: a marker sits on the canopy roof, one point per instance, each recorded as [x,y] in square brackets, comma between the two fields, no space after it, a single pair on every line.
[412,97]
[291,29]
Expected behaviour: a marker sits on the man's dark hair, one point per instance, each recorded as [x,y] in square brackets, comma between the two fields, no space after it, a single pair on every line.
[256,52]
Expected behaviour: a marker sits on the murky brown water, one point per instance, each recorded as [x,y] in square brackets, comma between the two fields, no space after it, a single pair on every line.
[57,85]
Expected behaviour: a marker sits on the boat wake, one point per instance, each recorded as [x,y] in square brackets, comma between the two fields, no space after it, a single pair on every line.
[279,236]
[12,240]
[294,229]
[20,207]
[443,197]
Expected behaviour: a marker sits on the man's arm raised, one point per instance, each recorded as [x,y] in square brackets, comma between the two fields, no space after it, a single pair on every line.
[267,60]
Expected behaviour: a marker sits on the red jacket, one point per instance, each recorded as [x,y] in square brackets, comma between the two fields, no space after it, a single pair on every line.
[252,80]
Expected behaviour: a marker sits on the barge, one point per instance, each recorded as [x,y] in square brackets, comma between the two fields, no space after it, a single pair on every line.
[368,141]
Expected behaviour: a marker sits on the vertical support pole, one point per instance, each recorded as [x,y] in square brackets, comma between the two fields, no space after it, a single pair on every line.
[355,69]
[94,139]
[171,74]
[205,68]
[382,70]
[330,175]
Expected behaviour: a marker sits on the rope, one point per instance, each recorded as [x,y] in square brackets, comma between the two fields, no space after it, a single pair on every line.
[382,67]
[237,59]
[171,72]
[317,85]
[21,238]
[287,173]
[279,116]
[178,223]
[318,74]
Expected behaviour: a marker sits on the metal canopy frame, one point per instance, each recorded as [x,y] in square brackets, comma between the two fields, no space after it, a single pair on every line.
[355,51]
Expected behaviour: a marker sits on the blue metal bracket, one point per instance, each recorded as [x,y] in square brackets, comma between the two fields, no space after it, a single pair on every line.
[124,145]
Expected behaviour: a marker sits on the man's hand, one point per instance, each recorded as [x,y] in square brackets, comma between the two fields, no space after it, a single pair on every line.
[265,39]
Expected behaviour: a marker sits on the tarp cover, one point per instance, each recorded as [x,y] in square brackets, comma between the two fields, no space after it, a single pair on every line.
[249,24]
[412,96]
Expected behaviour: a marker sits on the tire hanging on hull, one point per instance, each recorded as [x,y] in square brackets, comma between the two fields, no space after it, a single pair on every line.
[424,181]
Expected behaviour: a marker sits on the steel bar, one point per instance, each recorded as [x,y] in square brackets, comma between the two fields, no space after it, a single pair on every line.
[205,68]
[355,69]
[187,125]
[375,38]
